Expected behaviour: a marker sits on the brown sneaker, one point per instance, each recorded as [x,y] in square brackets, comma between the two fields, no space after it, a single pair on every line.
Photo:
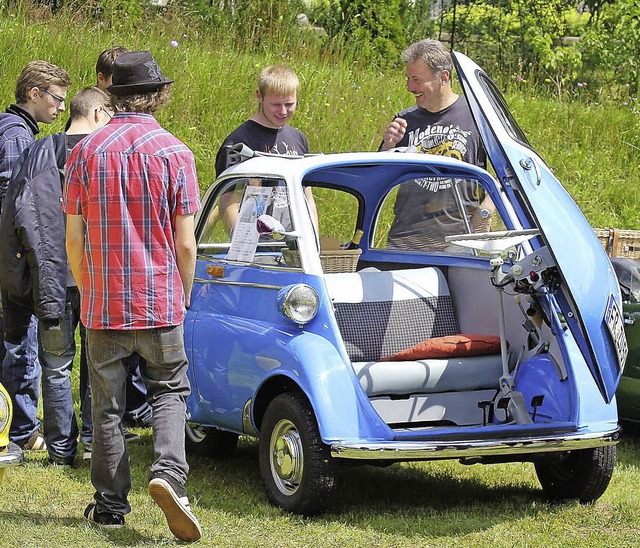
[36,442]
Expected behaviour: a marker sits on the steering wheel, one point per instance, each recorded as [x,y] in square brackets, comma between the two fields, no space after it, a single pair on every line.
[493,242]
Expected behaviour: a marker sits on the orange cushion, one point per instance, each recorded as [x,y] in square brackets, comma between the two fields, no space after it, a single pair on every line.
[451,346]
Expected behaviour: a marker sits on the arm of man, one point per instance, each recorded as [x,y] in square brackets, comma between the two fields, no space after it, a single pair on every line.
[39,225]
[393,134]
[75,246]
[14,148]
[185,241]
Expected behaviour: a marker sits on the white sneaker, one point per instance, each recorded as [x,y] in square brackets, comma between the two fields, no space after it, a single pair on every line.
[172,499]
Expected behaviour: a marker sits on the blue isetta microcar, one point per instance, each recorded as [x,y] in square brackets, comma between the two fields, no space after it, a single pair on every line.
[417,308]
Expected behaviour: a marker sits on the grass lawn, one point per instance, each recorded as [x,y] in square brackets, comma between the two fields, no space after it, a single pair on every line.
[412,504]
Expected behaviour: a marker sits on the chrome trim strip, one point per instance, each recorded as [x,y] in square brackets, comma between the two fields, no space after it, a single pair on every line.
[247,425]
[431,450]
[239,284]
[12,457]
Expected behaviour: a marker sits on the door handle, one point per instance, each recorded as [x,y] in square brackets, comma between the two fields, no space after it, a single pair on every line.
[528,163]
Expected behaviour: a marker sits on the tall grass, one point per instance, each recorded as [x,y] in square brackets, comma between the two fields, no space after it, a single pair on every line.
[594,149]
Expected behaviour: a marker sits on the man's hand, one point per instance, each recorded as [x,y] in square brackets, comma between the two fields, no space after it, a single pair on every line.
[394,133]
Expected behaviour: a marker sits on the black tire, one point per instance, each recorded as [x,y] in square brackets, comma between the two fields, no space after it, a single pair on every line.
[209,442]
[296,467]
[582,475]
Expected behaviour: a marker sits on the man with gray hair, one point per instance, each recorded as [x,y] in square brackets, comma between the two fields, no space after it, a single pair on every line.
[439,123]
[34,267]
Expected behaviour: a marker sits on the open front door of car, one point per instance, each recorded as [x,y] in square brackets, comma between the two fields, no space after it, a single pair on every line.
[589,296]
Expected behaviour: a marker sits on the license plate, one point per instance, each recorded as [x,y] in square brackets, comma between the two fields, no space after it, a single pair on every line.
[615,324]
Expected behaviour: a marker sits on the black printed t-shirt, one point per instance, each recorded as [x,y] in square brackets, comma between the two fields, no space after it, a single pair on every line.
[286,140]
[451,132]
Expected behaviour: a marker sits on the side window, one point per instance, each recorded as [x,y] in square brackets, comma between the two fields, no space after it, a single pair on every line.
[418,214]
[230,230]
[337,215]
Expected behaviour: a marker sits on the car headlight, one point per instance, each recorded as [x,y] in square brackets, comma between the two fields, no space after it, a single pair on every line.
[298,302]
[5,413]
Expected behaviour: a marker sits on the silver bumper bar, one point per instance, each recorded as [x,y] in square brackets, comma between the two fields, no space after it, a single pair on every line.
[433,450]
[12,456]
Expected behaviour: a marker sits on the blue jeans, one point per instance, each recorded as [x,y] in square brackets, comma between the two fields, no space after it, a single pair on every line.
[137,410]
[57,348]
[164,372]
[20,367]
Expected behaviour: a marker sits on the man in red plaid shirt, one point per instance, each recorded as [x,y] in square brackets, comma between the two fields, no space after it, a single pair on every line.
[131,192]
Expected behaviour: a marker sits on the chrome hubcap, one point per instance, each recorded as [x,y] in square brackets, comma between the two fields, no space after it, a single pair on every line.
[195,432]
[287,460]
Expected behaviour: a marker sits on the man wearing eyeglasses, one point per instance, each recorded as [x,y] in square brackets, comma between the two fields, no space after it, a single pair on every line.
[34,267]
[40,94]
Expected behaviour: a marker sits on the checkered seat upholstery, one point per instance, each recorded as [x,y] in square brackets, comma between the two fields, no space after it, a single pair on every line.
[380,313]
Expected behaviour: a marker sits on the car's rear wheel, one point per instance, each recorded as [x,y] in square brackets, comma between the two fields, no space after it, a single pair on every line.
[209,442]
[296,466]
[582,475]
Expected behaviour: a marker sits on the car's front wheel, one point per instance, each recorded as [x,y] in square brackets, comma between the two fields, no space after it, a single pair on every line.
[582,475]
[296,466]
[209,442]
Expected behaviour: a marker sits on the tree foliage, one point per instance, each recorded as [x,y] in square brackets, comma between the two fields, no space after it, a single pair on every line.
[373,27]
[612,45]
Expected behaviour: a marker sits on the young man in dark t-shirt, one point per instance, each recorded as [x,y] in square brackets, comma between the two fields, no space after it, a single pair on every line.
[268,130]
[439,123]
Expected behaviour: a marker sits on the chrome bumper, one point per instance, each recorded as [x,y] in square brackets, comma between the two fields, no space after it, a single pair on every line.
[433,450]
[12,456]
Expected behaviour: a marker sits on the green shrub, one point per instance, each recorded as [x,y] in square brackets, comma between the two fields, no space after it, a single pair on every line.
[611,49]
[373,28]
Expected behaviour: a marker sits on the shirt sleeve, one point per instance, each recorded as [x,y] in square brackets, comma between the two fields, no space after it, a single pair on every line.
[222,157]
[187,189]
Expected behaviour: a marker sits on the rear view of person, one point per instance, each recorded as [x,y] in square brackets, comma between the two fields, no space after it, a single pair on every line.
[140,181]
[137,411]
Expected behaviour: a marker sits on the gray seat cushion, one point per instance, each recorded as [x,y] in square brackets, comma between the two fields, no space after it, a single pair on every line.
[429,376]
[382,313]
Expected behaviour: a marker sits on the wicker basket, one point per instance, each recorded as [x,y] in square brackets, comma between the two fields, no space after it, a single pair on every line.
[620,243]
[333,260]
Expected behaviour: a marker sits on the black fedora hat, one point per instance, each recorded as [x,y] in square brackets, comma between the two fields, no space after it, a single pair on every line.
[136,72]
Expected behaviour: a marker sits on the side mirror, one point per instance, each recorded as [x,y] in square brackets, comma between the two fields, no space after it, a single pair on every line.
[266,225]
[238,153]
